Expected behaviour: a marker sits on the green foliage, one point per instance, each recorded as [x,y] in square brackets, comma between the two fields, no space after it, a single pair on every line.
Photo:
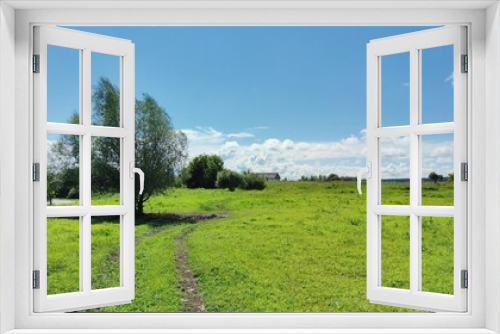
[63,161]
[202,171]
[451,177]
[52,184]
[105,167]
[106,101]
[105,176]
[433,176]
[69,178]
[228,179]
[252,181]
[73,194]
[332,177]
[160,151]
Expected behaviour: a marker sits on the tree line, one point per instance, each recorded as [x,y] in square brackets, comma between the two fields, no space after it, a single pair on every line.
[435,177]
[326,178]
[208,172]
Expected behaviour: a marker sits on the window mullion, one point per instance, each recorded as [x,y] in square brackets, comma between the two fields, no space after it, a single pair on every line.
[415,241]
[86,170]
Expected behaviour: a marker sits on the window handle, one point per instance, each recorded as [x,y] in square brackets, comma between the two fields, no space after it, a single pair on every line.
[134,170]
[368,171]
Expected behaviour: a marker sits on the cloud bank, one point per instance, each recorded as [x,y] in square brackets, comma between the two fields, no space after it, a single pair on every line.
[292,159]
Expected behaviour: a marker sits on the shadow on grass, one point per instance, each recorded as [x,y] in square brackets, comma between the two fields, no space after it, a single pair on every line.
[159,219]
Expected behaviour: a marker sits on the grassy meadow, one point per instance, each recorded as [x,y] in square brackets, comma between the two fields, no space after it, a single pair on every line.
[293,247]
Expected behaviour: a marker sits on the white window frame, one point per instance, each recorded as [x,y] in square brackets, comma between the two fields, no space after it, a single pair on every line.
[482,19]
[414,44]
[86,44]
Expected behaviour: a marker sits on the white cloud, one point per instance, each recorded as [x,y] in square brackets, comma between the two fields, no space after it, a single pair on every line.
[350,141]
[450,79]
[240,135]
[292,159]
[289,158]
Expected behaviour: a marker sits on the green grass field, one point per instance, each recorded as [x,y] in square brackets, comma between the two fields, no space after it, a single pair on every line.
[294,247]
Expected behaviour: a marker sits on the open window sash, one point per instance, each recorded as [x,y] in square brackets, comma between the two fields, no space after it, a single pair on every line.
[414,297]
[85,297]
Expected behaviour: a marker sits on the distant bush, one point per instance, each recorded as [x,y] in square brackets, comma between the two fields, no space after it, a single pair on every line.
[435,177]
[227,179]
[253,181]
[202,171]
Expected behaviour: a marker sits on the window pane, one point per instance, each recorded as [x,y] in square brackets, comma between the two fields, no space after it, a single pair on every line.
[105,236]
[395,89]
[63,255]
[105,90]
[105,171]
[63,85]
[437,169]
[437,84]
[395,252]
[437,254]
[63,169]
[395,170]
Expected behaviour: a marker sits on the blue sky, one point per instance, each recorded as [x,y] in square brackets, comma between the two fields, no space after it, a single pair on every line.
[286,99]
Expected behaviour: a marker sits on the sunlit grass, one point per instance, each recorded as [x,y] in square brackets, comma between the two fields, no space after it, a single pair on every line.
[294,247]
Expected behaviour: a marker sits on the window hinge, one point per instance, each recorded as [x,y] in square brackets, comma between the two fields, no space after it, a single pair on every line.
[465,279]
[36,279]
[464,171]
[465,64]
[36,172]
[36,63]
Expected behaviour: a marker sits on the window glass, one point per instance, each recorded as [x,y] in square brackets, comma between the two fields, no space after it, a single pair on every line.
[105,171]
[395,170]
[63,170]
[437,254]
[63,101]
[395,89]
[106,102]
[437,84]
[63,255]
[105,235]
[438,169]
[395,252]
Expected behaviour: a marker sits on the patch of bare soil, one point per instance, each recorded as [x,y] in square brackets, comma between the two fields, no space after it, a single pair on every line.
[191,298]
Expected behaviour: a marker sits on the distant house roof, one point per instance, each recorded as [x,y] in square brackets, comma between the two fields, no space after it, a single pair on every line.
[270,176]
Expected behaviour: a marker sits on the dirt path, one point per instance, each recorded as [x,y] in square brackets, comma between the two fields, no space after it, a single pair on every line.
[191,299]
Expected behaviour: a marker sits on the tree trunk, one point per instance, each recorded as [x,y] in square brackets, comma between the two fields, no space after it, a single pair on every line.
[140,205]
